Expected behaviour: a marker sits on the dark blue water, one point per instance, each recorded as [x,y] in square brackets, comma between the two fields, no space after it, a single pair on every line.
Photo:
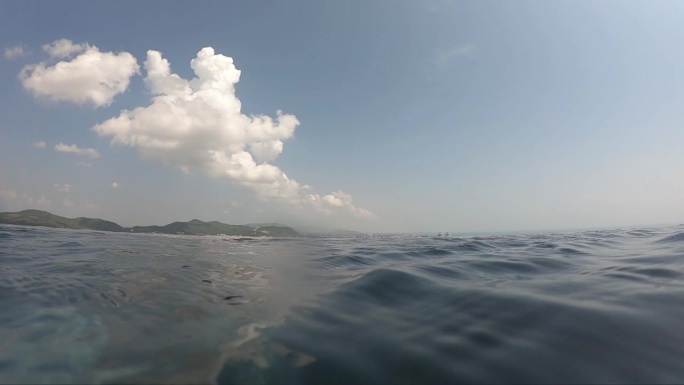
[590,307]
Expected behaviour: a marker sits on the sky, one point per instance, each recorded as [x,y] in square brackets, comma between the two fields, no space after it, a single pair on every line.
[382,116]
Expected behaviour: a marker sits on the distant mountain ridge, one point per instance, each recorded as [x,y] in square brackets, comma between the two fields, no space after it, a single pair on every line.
[193,227]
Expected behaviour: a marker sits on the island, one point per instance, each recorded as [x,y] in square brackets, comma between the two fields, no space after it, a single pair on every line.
[193,227]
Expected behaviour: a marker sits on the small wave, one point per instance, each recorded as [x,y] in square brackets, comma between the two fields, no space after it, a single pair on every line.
[443,271]
[345,261]
[678,237]
[570,251]
[69,244]
[393,256]
[500,266]
[544,245]
[551,264]
[428,251]
[388,286]
[366,250]
[641,233]
[472,246]
[655,272]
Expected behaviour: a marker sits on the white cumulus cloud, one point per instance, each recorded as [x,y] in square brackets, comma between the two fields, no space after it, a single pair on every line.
[14,52]
[40,144]
[91,77]
[74,149]
[197,124]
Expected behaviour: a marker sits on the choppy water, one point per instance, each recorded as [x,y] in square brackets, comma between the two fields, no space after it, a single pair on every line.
[90,307]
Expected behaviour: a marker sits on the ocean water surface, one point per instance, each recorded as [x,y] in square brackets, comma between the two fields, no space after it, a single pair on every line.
[583,307]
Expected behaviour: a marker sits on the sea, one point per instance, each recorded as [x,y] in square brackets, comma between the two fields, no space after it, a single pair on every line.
[116,308]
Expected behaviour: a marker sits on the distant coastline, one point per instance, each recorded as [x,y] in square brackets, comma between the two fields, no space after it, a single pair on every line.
[193,227]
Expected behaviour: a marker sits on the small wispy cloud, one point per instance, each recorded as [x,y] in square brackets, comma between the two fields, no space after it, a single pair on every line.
[62,187]
[40,144]
[91,206]
[115,185]
[444,56]
[231,206]
[85,164]
[63,48]
[12,53]
[74,149]
[14,198]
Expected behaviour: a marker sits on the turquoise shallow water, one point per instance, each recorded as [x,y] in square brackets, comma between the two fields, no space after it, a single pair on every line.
[586,307]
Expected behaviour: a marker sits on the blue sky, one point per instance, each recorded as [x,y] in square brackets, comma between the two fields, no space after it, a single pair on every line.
[413,116]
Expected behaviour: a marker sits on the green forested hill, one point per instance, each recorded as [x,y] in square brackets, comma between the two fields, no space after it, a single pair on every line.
[44,218]
[193,227]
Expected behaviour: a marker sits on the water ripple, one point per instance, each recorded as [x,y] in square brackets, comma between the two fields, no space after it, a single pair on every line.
[585,307]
